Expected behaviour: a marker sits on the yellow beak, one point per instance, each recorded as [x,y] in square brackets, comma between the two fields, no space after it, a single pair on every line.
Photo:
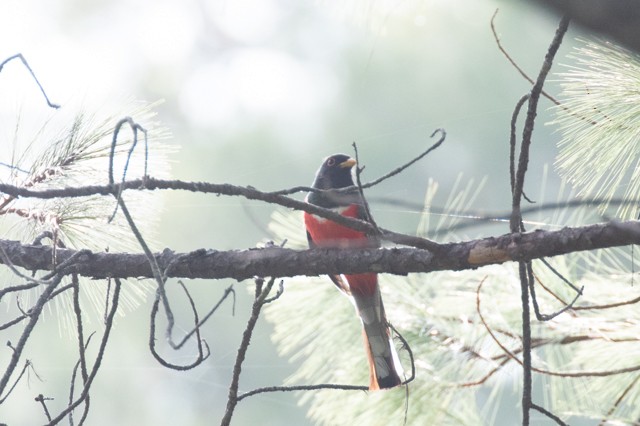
[348,163]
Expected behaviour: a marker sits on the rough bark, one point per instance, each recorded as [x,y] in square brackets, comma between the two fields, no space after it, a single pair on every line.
[282,262]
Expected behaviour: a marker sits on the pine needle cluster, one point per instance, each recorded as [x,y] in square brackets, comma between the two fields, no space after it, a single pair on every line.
[73,149]
[597,118]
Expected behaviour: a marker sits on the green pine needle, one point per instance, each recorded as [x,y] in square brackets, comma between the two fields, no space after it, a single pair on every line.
[600,146]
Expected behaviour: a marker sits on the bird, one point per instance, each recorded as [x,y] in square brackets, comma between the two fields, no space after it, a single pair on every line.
[336,172]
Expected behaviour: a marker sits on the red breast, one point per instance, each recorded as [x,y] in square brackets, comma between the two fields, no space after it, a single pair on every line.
[326,233]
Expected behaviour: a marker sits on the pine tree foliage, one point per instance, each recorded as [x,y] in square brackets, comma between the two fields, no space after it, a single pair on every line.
[72,149]
[463,376]
[599,156]
[600,146]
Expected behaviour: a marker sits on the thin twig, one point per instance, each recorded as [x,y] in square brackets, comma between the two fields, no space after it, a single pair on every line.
[199,323]
[365,204]
[549,414]
[532,289]
[573,374]
[607,305]
[482,380]
[9,166]
[161,295]
[261,294]
[473,218]
[135,128]
[334,386]
[99,357]
[406,347]
[297,189]
[512,61]
[26,366]
[249,193]
[16,320]
[41,399]
[26,65]
[530,120]
[34,316]
[202,355]
[276,296]
[516,225]
[12,322]
[562,277]
[526,77]
[512,140]
[443,136]
[526,345]
[81,348]
[50,235]
[16,288]
[618,401]
[155,268]
[74,374]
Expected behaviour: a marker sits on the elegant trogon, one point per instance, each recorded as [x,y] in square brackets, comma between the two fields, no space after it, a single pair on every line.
[336,173]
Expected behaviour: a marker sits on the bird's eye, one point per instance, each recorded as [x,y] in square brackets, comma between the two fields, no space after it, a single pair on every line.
[331,162]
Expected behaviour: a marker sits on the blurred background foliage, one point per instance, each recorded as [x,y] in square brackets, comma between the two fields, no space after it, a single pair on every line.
[257,93]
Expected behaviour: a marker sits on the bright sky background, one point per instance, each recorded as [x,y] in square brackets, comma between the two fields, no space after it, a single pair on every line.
[95,52]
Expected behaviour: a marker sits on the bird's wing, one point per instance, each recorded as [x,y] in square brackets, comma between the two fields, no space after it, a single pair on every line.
[338,280]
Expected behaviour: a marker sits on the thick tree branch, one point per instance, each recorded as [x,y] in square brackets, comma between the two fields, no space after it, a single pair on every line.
[281,262]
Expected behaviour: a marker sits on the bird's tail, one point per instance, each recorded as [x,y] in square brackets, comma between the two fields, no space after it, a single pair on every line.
[384,365]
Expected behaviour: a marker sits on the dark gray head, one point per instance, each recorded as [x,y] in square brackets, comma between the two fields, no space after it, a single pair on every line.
[334,173]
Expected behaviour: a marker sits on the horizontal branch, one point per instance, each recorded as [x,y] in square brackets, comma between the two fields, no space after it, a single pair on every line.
[248,192]
[281,262]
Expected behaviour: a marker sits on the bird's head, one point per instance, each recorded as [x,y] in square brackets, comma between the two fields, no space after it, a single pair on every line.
[335,172]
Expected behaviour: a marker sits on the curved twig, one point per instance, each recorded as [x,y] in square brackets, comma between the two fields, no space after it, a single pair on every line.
[26,65]
[513,62]
[135,128]
[531,279]
[405,346]
[334,386]
[152,342]
[297,189]
[443,136]
[573,374]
